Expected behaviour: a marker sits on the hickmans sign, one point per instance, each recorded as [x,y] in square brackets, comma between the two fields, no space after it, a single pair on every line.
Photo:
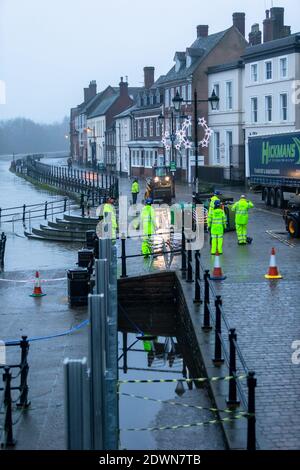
[281,152]
[277,154]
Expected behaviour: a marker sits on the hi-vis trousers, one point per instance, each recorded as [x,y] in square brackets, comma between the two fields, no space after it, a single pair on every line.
[216,244]
[241,232]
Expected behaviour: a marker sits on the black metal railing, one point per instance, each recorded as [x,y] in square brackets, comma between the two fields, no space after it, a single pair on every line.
[34,211]
[93,184]
[124,256]
[2,250]
[228,352]
[9,404]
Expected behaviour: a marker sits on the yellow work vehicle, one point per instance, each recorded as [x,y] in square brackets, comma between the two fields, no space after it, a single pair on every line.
[161,187]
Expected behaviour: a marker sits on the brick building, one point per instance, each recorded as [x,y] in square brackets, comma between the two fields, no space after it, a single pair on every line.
[90,120]
[145,147]
[190,73]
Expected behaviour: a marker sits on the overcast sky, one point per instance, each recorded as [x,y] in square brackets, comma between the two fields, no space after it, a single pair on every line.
[51,49]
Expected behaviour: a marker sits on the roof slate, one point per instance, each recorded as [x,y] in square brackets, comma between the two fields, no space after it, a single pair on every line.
[103,106]
[271,46]
[204,45]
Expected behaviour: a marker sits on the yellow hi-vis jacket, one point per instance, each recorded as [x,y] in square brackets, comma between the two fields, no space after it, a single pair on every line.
[148,220]
[241,209]
[135,188]
[216,221]
[107,210]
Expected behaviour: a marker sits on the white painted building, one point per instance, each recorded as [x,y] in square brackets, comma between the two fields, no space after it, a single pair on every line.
[272,71]
[96,128]
[226,147]
[123,123]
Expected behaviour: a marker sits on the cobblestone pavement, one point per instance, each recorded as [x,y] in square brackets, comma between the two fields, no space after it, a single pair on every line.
[266,315]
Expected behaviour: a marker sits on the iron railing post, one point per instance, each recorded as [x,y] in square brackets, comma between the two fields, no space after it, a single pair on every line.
[189,267]
[251,431]
[125,348]
[23,400]
[9,440]
[197,299]
[46,207]
[232,394]
[24,213]
[65,204]
[206,317]
[123,256]
[183,252]
[218,331]
[82,204]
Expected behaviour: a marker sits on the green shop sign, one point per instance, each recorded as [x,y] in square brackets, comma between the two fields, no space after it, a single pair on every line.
[281,152]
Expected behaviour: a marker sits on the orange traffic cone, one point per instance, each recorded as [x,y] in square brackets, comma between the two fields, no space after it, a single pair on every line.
[217,274]
[37,290]
[273,272]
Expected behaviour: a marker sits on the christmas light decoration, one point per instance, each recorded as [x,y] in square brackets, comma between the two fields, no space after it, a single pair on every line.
[181,135]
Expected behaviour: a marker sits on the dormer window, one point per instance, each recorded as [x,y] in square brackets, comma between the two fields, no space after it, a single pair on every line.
[178,64]
[189,61]
[179,60]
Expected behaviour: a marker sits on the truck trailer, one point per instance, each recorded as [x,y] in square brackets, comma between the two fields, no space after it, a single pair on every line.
[274,163]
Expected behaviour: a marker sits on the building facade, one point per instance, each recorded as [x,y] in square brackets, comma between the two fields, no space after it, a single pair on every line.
[78,123]
[145,147]
[227,145]
[189,74]
[272,71]
[123,131]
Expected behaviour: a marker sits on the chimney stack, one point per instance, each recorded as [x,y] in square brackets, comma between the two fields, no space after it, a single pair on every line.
[86,94]
[255,37]
[93,88]
[268,35]
[202,31]
[123,87]
[239,21]
[91,91]
[148,76]
[274,27]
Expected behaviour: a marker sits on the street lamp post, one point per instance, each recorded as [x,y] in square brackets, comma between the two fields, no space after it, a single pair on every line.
[93,145]
[213,100]
[120,147]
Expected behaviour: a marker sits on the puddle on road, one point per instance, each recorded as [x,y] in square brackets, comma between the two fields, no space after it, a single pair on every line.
[164,361]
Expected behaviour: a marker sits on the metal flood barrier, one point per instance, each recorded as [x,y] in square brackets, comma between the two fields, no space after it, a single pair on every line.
[91,400]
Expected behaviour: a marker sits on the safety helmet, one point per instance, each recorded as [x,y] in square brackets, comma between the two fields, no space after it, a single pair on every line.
[243,196]
[148,201]
[217,193]
[217,204]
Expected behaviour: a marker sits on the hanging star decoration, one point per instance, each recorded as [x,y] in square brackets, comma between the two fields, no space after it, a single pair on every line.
[207,132]
[181,134]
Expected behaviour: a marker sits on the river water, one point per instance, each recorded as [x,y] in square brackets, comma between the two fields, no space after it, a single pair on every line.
[21,253]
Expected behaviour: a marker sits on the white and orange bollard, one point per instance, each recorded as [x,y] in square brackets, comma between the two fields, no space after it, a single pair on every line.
[217,274]
[273,272]
[37,290]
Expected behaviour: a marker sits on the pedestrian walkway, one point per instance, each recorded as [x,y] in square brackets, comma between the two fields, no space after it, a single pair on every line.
[266,317]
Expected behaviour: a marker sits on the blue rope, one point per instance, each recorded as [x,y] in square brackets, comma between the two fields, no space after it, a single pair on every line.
[58,335]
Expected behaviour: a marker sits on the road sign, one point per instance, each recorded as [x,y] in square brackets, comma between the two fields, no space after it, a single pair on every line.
[172,166]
